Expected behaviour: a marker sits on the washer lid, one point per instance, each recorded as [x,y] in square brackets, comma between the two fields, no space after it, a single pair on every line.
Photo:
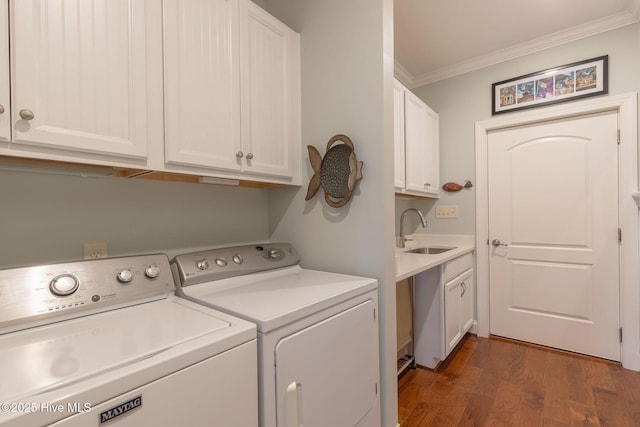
[276,298]
[46,358]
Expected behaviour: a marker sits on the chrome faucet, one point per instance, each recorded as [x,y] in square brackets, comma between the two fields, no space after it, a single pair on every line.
[402,239]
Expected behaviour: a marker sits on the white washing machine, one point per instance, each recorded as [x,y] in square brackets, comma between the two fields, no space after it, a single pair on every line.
[105,342]
[317,331]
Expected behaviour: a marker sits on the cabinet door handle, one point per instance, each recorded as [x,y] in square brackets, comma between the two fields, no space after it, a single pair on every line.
[294,404]
[464,288]
[239,154]
[26,115]
[249,156]
[1,109]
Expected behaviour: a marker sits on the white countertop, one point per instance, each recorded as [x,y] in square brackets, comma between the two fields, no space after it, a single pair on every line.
[408,265]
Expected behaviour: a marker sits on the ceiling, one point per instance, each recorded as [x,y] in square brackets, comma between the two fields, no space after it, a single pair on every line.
[438,39]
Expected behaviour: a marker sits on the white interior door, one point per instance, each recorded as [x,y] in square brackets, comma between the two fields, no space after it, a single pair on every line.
[553,207]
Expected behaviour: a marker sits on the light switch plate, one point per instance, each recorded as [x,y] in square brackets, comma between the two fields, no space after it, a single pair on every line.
[448,212]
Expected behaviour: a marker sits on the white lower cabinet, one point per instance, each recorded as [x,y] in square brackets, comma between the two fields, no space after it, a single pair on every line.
[444,301]
[458,309]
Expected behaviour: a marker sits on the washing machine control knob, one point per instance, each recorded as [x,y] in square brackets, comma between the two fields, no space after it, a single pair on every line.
[221,262]
[64,284]
[124,276]
[152,271]
[237,259]
[202,264]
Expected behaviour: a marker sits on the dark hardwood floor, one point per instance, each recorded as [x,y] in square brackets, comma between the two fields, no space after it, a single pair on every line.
[496,382]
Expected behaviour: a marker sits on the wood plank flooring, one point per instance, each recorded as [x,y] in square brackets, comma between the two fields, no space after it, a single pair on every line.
[496,382]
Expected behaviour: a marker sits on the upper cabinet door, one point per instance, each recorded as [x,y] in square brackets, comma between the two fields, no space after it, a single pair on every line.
[432,161]
[80,75]
[270,67]
[202,83]
[398,134]
[5,114]
[416,142]
[421,147]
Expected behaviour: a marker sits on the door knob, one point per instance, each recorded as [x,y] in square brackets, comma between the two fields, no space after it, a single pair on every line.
[497,242]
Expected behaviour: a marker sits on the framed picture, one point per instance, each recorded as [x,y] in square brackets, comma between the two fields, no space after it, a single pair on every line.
[552,86]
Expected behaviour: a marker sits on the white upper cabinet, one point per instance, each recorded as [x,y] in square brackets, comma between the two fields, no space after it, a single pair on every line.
[398,134]
[80,74]
[232,84]
[270,67]
[5,113]
[420,146]
[202,83]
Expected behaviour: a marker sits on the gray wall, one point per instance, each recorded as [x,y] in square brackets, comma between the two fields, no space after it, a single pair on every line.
[347,75]
[46,218]
[463,100]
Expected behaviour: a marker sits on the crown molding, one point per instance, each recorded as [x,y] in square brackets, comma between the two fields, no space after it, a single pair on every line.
[555,39]
[401,73]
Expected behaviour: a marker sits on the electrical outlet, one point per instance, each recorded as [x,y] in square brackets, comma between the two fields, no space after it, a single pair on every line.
[94,250]
[447,212]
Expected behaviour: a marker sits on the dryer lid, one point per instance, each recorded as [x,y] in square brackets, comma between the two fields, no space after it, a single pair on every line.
[279,297]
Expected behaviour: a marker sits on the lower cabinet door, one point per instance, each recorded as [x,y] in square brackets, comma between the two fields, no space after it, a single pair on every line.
[327,374]
[458,309]
[452,328]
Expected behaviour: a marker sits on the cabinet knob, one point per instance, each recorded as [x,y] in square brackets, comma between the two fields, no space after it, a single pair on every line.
[249,156]
[1,108]
[464,288]
[26,114]
[239,154]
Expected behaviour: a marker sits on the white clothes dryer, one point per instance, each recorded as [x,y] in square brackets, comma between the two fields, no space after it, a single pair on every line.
[318,349]
[105,342]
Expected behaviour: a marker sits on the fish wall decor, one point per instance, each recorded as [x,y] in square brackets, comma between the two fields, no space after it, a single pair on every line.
[452,186]
[337,173]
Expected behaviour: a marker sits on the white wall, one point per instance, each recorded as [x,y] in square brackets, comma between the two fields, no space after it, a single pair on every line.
[45,218]
[347,70]
[463,100]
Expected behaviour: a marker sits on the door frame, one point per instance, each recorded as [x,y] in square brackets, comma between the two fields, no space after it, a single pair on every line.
[628,214]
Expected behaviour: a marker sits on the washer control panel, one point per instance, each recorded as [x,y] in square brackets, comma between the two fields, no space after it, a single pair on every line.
[215,264]
[43,293]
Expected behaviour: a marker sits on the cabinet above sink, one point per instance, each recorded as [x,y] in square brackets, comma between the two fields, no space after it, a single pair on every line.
[416,145]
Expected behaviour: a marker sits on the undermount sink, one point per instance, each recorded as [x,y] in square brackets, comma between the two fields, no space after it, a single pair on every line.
[431,250]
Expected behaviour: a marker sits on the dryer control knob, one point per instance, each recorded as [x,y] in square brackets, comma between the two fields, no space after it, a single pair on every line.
[274,254]
[221,262]
[202,264]
[152,271]
[64,284]
[124,276]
